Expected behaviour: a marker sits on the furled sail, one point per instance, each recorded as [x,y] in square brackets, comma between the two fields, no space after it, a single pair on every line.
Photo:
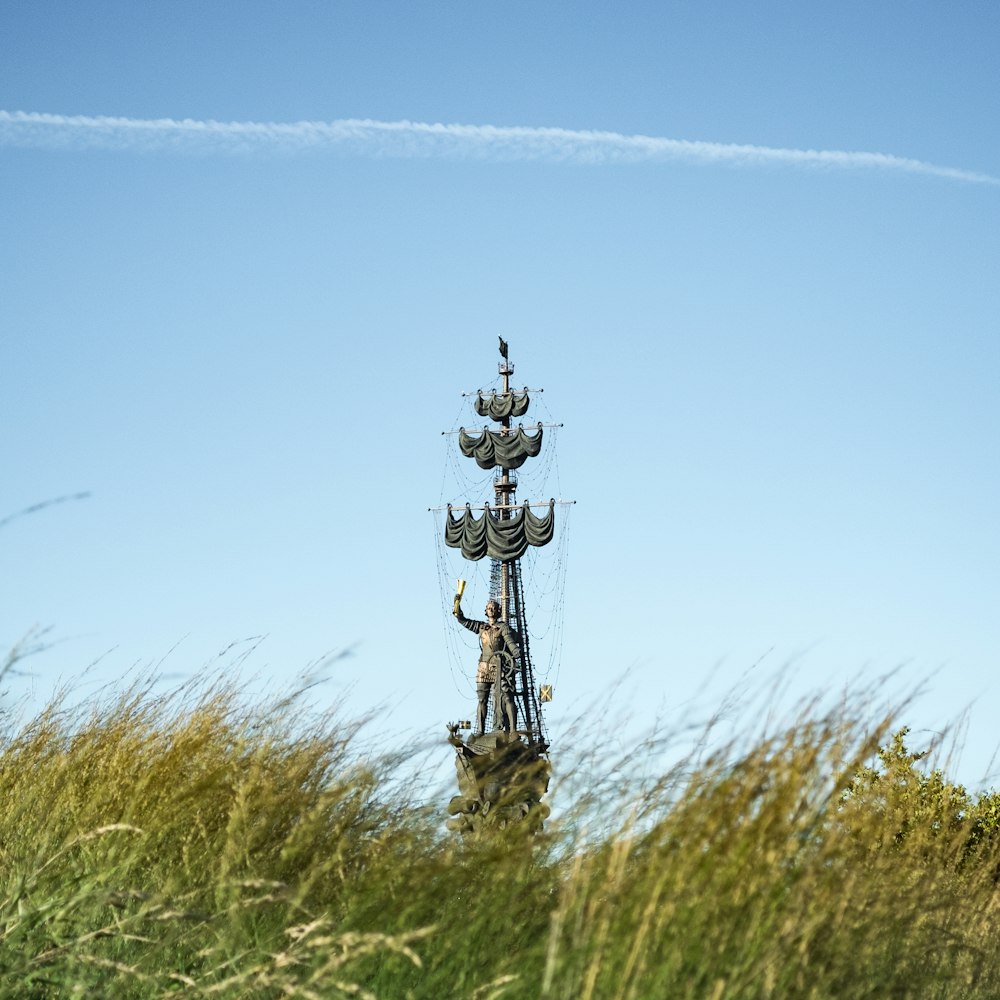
[500,405]
[496,537]
[491,448]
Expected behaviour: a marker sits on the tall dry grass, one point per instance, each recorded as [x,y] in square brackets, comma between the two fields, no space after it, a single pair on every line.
[196,845]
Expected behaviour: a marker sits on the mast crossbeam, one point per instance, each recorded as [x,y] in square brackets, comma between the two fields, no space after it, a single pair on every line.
[499,430]
[501,506]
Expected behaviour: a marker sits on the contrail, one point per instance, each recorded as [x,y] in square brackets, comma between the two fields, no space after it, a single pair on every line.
[406,139]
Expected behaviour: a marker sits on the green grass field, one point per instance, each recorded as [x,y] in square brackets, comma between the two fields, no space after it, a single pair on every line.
[192,845]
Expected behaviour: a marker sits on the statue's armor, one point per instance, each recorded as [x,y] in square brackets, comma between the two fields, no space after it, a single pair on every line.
[496,638]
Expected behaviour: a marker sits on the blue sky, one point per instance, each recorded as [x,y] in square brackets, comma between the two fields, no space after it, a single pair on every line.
[782,369]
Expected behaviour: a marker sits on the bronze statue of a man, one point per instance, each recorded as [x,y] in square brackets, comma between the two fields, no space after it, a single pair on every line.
[497,662]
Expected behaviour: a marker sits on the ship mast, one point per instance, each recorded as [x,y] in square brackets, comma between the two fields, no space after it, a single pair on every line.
[511,594]
[504,486]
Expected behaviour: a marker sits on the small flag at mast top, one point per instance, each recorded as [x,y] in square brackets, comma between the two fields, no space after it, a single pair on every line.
[503,348]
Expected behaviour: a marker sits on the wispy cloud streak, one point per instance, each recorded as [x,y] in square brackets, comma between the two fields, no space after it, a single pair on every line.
[367,137]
